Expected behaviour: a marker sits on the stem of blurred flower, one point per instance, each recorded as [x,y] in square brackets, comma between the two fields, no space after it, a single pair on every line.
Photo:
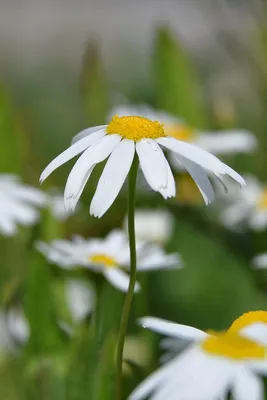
[130,292]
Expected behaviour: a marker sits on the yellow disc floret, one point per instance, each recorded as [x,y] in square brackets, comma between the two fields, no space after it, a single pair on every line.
[231,345]
[135,128]
[180,132]
[103,259]
[251,317]
[262,202]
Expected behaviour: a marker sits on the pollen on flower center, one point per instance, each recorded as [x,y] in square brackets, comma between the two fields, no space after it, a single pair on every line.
[248,318]
[180,132]
[103,259]
[135,128]
[262,203]
[231,345]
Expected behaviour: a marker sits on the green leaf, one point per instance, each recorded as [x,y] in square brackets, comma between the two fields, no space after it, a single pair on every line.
[12,144]
[94,87]
[176,84]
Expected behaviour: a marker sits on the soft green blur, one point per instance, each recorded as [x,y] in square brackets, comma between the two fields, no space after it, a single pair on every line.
[217,283]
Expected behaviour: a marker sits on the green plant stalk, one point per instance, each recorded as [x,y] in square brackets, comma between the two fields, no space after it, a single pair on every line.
[130,292]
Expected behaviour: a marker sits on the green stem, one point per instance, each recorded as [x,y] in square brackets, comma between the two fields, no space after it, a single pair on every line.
[130,292]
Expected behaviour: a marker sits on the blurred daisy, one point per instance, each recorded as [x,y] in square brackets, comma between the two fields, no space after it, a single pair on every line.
[80,298]
[119,141]
[107,256]
[152,225]
[57,207]
[18,204]
[247,207]
[213,364]
[217,142]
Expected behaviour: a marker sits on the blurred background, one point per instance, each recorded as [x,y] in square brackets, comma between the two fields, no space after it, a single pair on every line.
[63,66]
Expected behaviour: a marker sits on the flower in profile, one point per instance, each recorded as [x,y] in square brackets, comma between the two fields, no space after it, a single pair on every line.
[247,208]
[213,364]
[19,204]
[109,256]
[154,226]
[119,141]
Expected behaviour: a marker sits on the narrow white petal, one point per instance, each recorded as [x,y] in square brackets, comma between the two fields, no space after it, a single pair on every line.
[200,177]
[172,329]
[86,132]
[247,386]
[83,168]
[227,142]
[170,190]
[119,279]
[71,152]
[153,164]
[160,261]
[7,225]
[201,157]
[113,177]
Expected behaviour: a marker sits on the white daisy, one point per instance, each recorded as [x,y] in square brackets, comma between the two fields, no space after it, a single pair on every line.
[213,364]
[18,204]
[108,256]
[247,208]
[119,141]
[152,225]
[217,142]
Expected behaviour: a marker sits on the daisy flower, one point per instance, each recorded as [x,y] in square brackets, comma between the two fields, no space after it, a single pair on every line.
[212,364]
[154,226]
[217,142]
[108,256]
[247,207]
[19,204]
[119,141]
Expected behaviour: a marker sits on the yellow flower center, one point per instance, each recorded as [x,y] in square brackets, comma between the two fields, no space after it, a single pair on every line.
[248,318]
[135,128]
[262,202]
[103,259]
[187,191]
[180,132]
[231,345]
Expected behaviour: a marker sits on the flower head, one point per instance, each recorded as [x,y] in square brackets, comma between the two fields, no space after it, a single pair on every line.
[247,207]
[119,141]
[19,204]
[109,256]
[214,362]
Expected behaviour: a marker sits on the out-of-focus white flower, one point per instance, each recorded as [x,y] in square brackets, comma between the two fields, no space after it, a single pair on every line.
[260,261]
[120,141]
[57,207]
[108,256]
[17,325]
[80,297]
[246,208]
[213,364]
[152,225]
[217,142]
[19,204]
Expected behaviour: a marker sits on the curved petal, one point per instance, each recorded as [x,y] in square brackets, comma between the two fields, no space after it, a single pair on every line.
[83,168]
[201,157]
[85,132]
[172,329]
[153,164]
[247,386]
[119,279]
[71,152]
[113,177]
[116,241]
[170,190]
[200,177]
[256,331]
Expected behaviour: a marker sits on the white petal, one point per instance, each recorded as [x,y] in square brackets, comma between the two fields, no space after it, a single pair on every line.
[158,260]
[227,142]
[200,177]
[170,189]
[71,152]
[86,132]
[153,164]
[260,261]
[80,298]
[247,386]
[113,177]
[7,225]
[83,168]
[258,220]
[172,329]
[201,157]
[119,279]
[116,241]
[256,331]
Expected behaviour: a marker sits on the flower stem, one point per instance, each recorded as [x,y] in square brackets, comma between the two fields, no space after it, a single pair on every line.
[130,292]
